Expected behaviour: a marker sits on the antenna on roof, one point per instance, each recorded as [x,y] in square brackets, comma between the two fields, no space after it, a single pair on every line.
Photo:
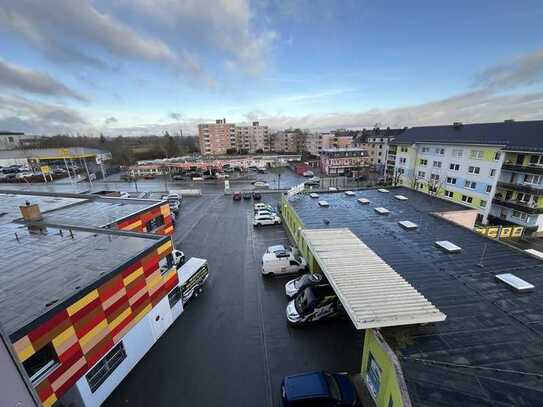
[482,256]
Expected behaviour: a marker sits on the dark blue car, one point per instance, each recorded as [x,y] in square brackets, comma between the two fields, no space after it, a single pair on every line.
[318,389]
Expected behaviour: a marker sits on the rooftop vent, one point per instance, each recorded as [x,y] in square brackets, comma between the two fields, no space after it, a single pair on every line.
[382,211]
[324,204]
[457,125]
[349,193]
[314,195]
[448,247]
[383,190]
[363,201]
[400,197]
[514,282]
[535,253]
[408,225]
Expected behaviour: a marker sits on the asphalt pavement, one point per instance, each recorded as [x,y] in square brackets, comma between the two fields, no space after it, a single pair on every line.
[232,345]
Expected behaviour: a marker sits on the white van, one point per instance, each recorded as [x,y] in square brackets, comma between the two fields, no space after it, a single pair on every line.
[283,262]
[192,277]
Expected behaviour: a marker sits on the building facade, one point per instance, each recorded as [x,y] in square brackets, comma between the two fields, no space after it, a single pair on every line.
[253,139]
[494,167]
[343,162]
[10,140]
[222,138]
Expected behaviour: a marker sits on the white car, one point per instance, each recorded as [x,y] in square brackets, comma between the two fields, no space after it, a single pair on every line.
[283,263]
[24,174]
[262,219]
[279,248]
[265,212]
[260,184]
[263,207]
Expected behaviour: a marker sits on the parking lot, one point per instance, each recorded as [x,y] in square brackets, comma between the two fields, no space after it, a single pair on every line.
[232,345]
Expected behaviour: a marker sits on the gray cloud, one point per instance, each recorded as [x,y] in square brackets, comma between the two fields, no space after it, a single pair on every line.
[111,120]
[175,116]
[66,27]
[524,70]
[19,78]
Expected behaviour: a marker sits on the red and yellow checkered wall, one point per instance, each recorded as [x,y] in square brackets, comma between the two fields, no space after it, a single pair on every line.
[87,329]
[137,222]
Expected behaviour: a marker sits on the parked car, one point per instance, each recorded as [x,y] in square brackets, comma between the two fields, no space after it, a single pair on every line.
[23,175]
[236,196]
[260,184]
[192,278]
[285,262]
[318,389]
[279,248]
[261,206]
[178,177]
[178,258]
[265,212]
[293,287]
[314,304]
[313,181]
[149,176]
[257,196]
[263,219]
[247,195]
[308,173]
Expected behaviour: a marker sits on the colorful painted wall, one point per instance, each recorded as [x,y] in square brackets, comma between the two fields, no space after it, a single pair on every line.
[137,222]
[88,328]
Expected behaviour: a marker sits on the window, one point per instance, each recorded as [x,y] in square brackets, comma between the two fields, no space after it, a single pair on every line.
[467,199]
[474,170]
[423,162]
[457,153]
[403,149]
[497,156]
[521,215]
[174,296]
[425,149]
[421,174]
[492,172]
[536,159]
[523,197]
[470,184]
[489,188]
[155,223]
[41,363]
[440,150]
[449,194]
[454,167]
[403,160]
[476,154]
[10,139]
[101,371]
[482,204]
[451,180]
[434,177]
[516,214]
[532,179]
[373,375]
[437,164]
[401,170]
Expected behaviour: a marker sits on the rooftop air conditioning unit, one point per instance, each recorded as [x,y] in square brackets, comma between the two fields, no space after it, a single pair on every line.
[382,211]
[448,247]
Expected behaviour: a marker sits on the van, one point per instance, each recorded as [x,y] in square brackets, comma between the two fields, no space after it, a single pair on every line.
[192,277]
[283,262]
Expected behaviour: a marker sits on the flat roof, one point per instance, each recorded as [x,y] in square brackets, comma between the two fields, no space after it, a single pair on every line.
[373,294]
[489,350]
[42,269]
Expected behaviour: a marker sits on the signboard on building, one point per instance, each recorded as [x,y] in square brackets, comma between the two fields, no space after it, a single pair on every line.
[500,232]
[64,152]
[44,169]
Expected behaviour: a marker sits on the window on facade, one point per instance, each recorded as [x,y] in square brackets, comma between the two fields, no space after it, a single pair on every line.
[41,363]
[440,150]
[492,172]
[437,164]
[482,204]
[421,174]
[523,197]
[449,194]
[497,155]
[403,149]
[488,188]
[532,179]
[474,170]
[470,184]
[155,223]
[457,153]
[423,162]
[536,159]
[103,369]
[373,375]
[174,296]
[467,199]
[454,167]
[476,154]
[434,177]
[425,149]
[451,180]
[401,170]
[403,160]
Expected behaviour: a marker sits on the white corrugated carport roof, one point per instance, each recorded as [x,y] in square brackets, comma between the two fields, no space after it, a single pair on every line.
[373,294]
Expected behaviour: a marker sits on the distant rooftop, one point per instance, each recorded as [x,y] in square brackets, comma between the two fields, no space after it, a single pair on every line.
[51,153]
[513,135]
[488,325]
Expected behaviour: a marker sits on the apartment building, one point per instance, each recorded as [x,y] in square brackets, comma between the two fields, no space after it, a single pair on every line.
[220,138]
[377,142]
[288,142]
[343,162]
[494,167]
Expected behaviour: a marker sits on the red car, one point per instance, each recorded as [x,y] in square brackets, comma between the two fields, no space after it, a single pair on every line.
[236,196]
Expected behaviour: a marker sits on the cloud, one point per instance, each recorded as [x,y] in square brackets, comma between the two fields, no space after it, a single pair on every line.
[64,28]
[111,120]
[175,116]
[524,70]
[27,80]
[228,26]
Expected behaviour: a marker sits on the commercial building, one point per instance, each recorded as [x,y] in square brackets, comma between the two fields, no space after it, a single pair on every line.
[10,140]
[494,167]
[85,294]
[221,138]
[439,328]
[343,162]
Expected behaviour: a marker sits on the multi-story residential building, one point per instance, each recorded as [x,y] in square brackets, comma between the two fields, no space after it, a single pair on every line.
[377,142]
[253,139]
[217,138]
[345,162]
[494,167]
[288,142]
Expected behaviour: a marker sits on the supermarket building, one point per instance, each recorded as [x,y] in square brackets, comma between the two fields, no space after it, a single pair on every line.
[81,299]
[446,332]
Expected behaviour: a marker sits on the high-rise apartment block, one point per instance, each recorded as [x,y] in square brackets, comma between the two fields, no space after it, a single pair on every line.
[221,138]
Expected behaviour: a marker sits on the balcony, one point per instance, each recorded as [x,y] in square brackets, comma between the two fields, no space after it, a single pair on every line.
[530,168]
[518,205]
[530,189]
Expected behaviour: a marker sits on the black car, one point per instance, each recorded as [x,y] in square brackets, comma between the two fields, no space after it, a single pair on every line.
[257,196]
[314,304]
[247,195]
[293,287]
[178,177]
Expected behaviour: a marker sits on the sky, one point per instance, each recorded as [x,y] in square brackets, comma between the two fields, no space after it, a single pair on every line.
[130,67]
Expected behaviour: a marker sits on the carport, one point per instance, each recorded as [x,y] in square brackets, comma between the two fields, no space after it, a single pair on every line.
[372,293]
